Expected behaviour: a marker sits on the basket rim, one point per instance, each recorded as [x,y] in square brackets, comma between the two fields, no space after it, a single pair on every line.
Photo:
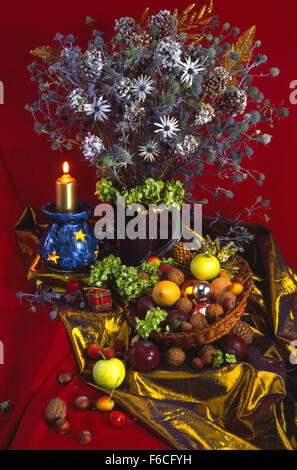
[238,310]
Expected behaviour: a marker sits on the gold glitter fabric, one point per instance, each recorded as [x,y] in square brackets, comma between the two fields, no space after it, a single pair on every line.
[245,406]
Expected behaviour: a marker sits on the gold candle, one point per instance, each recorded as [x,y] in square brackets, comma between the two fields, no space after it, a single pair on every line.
[66,192]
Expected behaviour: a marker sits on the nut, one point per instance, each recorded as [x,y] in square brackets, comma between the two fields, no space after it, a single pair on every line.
[208,353]
[184,304]
[214,312]
[62,426]
[227,299]
[143,275]
[198,321]
[175,357]
[197,363]
[64,378]
[55,409]
[176,276]
[186,327]
[82,403]
[85,437]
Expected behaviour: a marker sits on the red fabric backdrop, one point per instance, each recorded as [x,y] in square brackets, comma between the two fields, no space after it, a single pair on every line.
[33,344]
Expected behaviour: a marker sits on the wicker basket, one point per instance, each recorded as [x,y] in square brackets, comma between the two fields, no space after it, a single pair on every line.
[214,332]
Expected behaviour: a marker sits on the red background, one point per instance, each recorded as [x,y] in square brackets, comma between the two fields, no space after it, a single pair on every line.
[29,168]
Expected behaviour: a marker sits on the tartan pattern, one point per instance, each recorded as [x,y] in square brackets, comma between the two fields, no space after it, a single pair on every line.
[99,300]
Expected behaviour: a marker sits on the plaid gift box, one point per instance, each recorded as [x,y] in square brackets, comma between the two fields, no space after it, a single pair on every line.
[99,300]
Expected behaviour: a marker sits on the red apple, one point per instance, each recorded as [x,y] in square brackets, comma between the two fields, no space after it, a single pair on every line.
[104,403]
[164,269]
[144,355]
[154,259]
[233,344]
[94,351]
[175,319]
[144,304]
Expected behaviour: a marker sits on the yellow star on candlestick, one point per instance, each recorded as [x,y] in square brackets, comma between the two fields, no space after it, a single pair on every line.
[53,257]
[79,236]
[96,253]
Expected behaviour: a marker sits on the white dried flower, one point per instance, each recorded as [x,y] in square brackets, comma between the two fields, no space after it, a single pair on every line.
[123,89]
[92,146]
[168,126]
[150,150]
[205,114]
[190,69]
[98,108]
[142,86]
[168,53]
[187,146]
[90,65]
[77,100]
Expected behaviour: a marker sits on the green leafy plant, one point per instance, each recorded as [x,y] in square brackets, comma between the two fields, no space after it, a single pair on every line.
[220,358]
[129,284]
[152,321]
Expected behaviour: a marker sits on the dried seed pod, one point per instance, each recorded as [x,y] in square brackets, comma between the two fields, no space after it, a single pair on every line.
[55,409]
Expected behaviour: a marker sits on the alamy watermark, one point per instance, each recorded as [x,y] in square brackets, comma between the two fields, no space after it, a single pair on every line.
[293,355]
[138,222]
[1,93]
[1,353]
[293,95]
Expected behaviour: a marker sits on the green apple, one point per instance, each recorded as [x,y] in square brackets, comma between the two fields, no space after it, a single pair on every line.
[109,373]
[205,267]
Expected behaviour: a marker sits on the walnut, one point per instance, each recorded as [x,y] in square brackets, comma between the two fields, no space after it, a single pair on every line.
[184,304]
[214,313]
[55,409]
[176,276]
[175,357]
[228,300]
[208,353]
[187,327]
[198,321]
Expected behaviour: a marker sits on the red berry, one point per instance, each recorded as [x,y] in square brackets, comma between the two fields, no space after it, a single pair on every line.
[117,419]
[109,353]
[94,351]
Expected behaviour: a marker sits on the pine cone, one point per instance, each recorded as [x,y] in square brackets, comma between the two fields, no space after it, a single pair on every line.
[215,82]
[245,332]
[233,102]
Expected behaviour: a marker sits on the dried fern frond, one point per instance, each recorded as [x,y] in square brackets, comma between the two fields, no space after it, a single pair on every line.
[243,48]
[47,53]
[189,21]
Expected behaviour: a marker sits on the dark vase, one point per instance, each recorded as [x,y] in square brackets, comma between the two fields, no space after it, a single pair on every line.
[135,251]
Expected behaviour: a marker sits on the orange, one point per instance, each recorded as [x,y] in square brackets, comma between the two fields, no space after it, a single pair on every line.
[166,293]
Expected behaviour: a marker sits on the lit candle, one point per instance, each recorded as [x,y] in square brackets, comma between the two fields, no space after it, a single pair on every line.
[66,191]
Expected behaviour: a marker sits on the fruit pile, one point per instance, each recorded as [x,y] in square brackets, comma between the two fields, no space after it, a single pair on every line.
[180,305]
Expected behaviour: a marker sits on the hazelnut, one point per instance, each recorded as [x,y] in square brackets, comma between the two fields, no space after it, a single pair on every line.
[228,300]
[62,426]
[82,403]
[214,312]
[176,276]
[198,321]
[55,409]
[64,378]
[208,353]
[87,373]
[186,327]
[175,357]
[85,437]
[218,286]
[184,304]
[197,363]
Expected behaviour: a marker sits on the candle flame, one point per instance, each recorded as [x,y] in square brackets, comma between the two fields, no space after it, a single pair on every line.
[65,167]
